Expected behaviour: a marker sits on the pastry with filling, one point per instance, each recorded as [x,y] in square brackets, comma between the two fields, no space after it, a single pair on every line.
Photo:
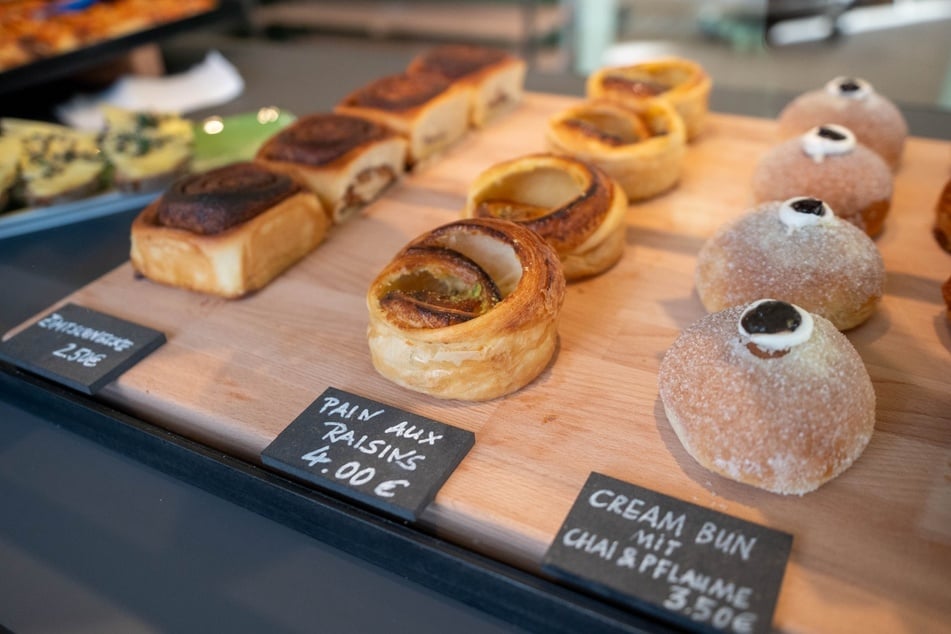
[228,231]
[427,109]
[770,395]
[578,209]
[642,148]
[681,82]
[828,163]
[9,165]
[147,150]
[467,311]
[851,102]
[347,161]
[942,221]
[797,251]
[494,77]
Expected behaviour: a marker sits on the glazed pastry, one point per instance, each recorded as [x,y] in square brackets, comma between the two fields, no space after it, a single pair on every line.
[827,163]
[574,206]
[851,102]
[467,311]
[147,151]
[9,164]
[942,221]
[425,108]
[228,231]
[347,161]
[494,77]
[681,82]
[642,149]
[797,251]
[769,395]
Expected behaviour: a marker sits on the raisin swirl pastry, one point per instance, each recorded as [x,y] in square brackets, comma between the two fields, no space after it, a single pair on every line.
[770,395]
[347,161]
[851,102]
[428,110]
[681,82]
[828,163]
[494,77]
[575,207]
[228,231]
[641,148]
[467,311]
[797,251]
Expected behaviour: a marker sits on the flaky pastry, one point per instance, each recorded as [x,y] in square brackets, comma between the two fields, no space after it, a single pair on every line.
[467,311]
[578,209]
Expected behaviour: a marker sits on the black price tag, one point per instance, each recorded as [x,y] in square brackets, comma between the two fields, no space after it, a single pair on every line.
[380,455]
[80,348]
[702,569]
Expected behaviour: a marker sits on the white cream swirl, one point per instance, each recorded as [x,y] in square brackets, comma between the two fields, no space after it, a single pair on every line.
[779,340]
[827,140]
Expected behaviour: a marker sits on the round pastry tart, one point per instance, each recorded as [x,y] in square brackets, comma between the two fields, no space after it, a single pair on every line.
[769,395]
[942,221]
[642,148]
[347,161]
[681,82]
[828,163]
[574,206]
[467,311]
[228,231]
[797,251]
[852,102]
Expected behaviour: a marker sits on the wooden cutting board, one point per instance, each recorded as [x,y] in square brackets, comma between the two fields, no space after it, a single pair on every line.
[872,549]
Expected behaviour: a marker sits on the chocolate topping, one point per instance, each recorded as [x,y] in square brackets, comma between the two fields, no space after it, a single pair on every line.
[399,92]
[214,201]
[848,84]
[829,133]
[771,317]
[812,206]
[321,138]
[458,60]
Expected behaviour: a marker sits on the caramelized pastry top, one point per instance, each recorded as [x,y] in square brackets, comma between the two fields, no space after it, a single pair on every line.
[403,91]
[214,201]
[458,60]
[320,139]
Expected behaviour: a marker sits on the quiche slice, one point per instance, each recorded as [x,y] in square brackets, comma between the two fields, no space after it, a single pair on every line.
[147,150]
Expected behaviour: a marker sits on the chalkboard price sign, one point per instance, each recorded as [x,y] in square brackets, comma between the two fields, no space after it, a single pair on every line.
[80,347]
[688,564]
[382,456]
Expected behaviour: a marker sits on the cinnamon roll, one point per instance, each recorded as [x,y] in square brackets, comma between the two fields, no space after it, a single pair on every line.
[642,148]
[578,209]
[425,108]
[467,311]
[494,77]
[347,161]
[681,82]
[228,231]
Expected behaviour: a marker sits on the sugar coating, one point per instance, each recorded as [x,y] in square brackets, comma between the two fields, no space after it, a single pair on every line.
[831,268]
[849,183]
[786,424]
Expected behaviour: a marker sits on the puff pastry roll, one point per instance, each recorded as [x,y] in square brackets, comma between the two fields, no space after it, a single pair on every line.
[641,148]
[495,78]
[347,161]
[681,82]
[578,209]
[425,108]
[467,311]
[228,231]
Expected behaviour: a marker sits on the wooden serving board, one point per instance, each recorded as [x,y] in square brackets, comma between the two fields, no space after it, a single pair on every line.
[872,549]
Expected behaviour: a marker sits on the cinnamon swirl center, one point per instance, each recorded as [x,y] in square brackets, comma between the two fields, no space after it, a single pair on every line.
[399,92]
[322,138]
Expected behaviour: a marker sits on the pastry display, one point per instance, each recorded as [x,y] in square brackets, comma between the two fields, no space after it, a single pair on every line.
[228,231]
[681,82]
[426,108]
[467,311]
[494,77]
[942,221]
[851,102]
[770,395]
[828,163]
[796,251]
[9,165]
[574,206]
[147,150]
[642,148]
[347,161]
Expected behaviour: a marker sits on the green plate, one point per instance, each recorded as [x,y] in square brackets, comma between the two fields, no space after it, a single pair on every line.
[223,140]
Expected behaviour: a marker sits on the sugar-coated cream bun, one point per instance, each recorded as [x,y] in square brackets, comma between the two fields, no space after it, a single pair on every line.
[852,102]
[769,395]
[797,251]
[827,163]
